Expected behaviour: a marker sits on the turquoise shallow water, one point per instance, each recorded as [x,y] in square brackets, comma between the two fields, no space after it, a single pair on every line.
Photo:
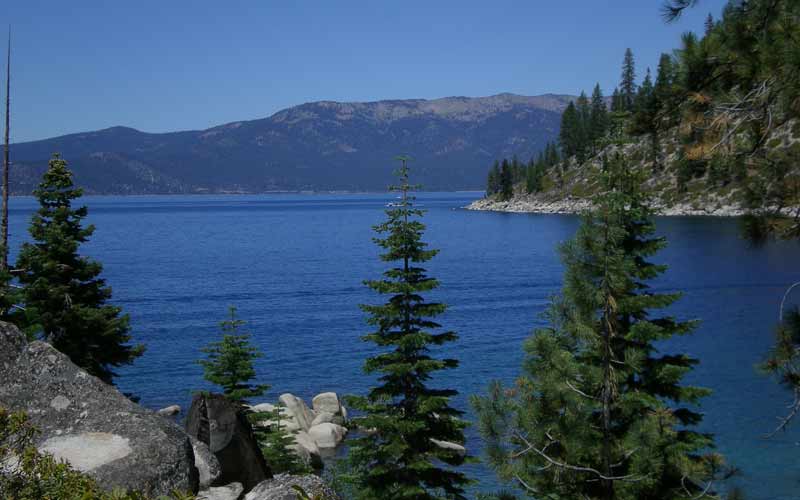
[293,265]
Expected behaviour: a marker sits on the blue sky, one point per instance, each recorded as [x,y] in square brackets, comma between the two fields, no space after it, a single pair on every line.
[175,65]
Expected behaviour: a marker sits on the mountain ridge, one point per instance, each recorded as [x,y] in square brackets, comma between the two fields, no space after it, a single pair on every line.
[320,145]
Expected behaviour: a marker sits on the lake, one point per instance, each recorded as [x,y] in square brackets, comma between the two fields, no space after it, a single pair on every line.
[293,265]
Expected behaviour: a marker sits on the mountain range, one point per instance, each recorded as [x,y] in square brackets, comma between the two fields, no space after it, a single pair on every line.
[320,146]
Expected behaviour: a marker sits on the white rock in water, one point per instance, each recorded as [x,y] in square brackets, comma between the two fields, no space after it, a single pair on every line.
[169,411]
[307,449]
[327,401]
[323,418]
[327,435]
[229,492]
[298,409]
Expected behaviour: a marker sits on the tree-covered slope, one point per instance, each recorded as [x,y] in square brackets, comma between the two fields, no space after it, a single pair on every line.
[716,126]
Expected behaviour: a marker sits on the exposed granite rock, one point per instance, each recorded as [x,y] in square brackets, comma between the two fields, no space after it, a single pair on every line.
[169,411]
[280,488]
[90,424]
[208,466]
[327,435]
[298,410]
[328,402]
[223,426]
[228,492]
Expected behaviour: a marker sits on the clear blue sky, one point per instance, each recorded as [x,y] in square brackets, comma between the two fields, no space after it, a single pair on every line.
[176,65]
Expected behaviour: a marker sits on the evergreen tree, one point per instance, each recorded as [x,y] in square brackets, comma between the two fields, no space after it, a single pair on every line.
[506,181]
[230,365]
[627,86]
[599,413]
[230,361]
[599,118]
[645,112]
[401,458]
[584,128]
[493,182]
[569,136]
[64,296]
[709,24]
[664,90]
[616,101]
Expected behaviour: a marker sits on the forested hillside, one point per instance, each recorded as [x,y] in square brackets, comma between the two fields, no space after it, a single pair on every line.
[315,146]
[715,127]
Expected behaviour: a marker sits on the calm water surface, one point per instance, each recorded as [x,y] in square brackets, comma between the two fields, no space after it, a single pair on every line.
[293,265]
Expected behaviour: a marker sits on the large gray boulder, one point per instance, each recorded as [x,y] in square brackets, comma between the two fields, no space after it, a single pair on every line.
[90,424]
[280,488]
[223,426]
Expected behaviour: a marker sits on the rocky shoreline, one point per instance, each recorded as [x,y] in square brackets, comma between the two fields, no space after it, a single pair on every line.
[578,205]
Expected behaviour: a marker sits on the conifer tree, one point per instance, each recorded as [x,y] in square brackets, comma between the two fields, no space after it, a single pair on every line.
[229,364]
[584,127]
[65,298]
[230,361]
[506,181]
[401,458]
[627,86]
[599,117]
[569,135]
[493,182]
[598,412]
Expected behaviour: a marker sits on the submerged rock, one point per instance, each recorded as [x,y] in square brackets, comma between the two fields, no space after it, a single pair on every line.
[90,424]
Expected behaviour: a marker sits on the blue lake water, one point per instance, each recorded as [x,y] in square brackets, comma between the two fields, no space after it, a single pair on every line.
[293,265]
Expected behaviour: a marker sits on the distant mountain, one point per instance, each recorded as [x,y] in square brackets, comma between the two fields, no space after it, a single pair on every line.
[316,146]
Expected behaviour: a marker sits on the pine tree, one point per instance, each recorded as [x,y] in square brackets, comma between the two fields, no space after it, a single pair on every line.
[599,118]
[230,361]
[664,90]
[493,182]
[583,139]
[506,181]
[627,86]
[645,112]
[569,135]
[599,413]
[229,364]
[65,298]
[616,101]
[709,24]
[401,458]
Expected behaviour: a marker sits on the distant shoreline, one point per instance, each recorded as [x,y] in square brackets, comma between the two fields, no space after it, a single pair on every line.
[573,206]
[258,193]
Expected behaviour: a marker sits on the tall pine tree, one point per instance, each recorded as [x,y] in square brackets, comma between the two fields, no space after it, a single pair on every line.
[598,122]
[599,412]
[402,458]
[65,298]
[627,85]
